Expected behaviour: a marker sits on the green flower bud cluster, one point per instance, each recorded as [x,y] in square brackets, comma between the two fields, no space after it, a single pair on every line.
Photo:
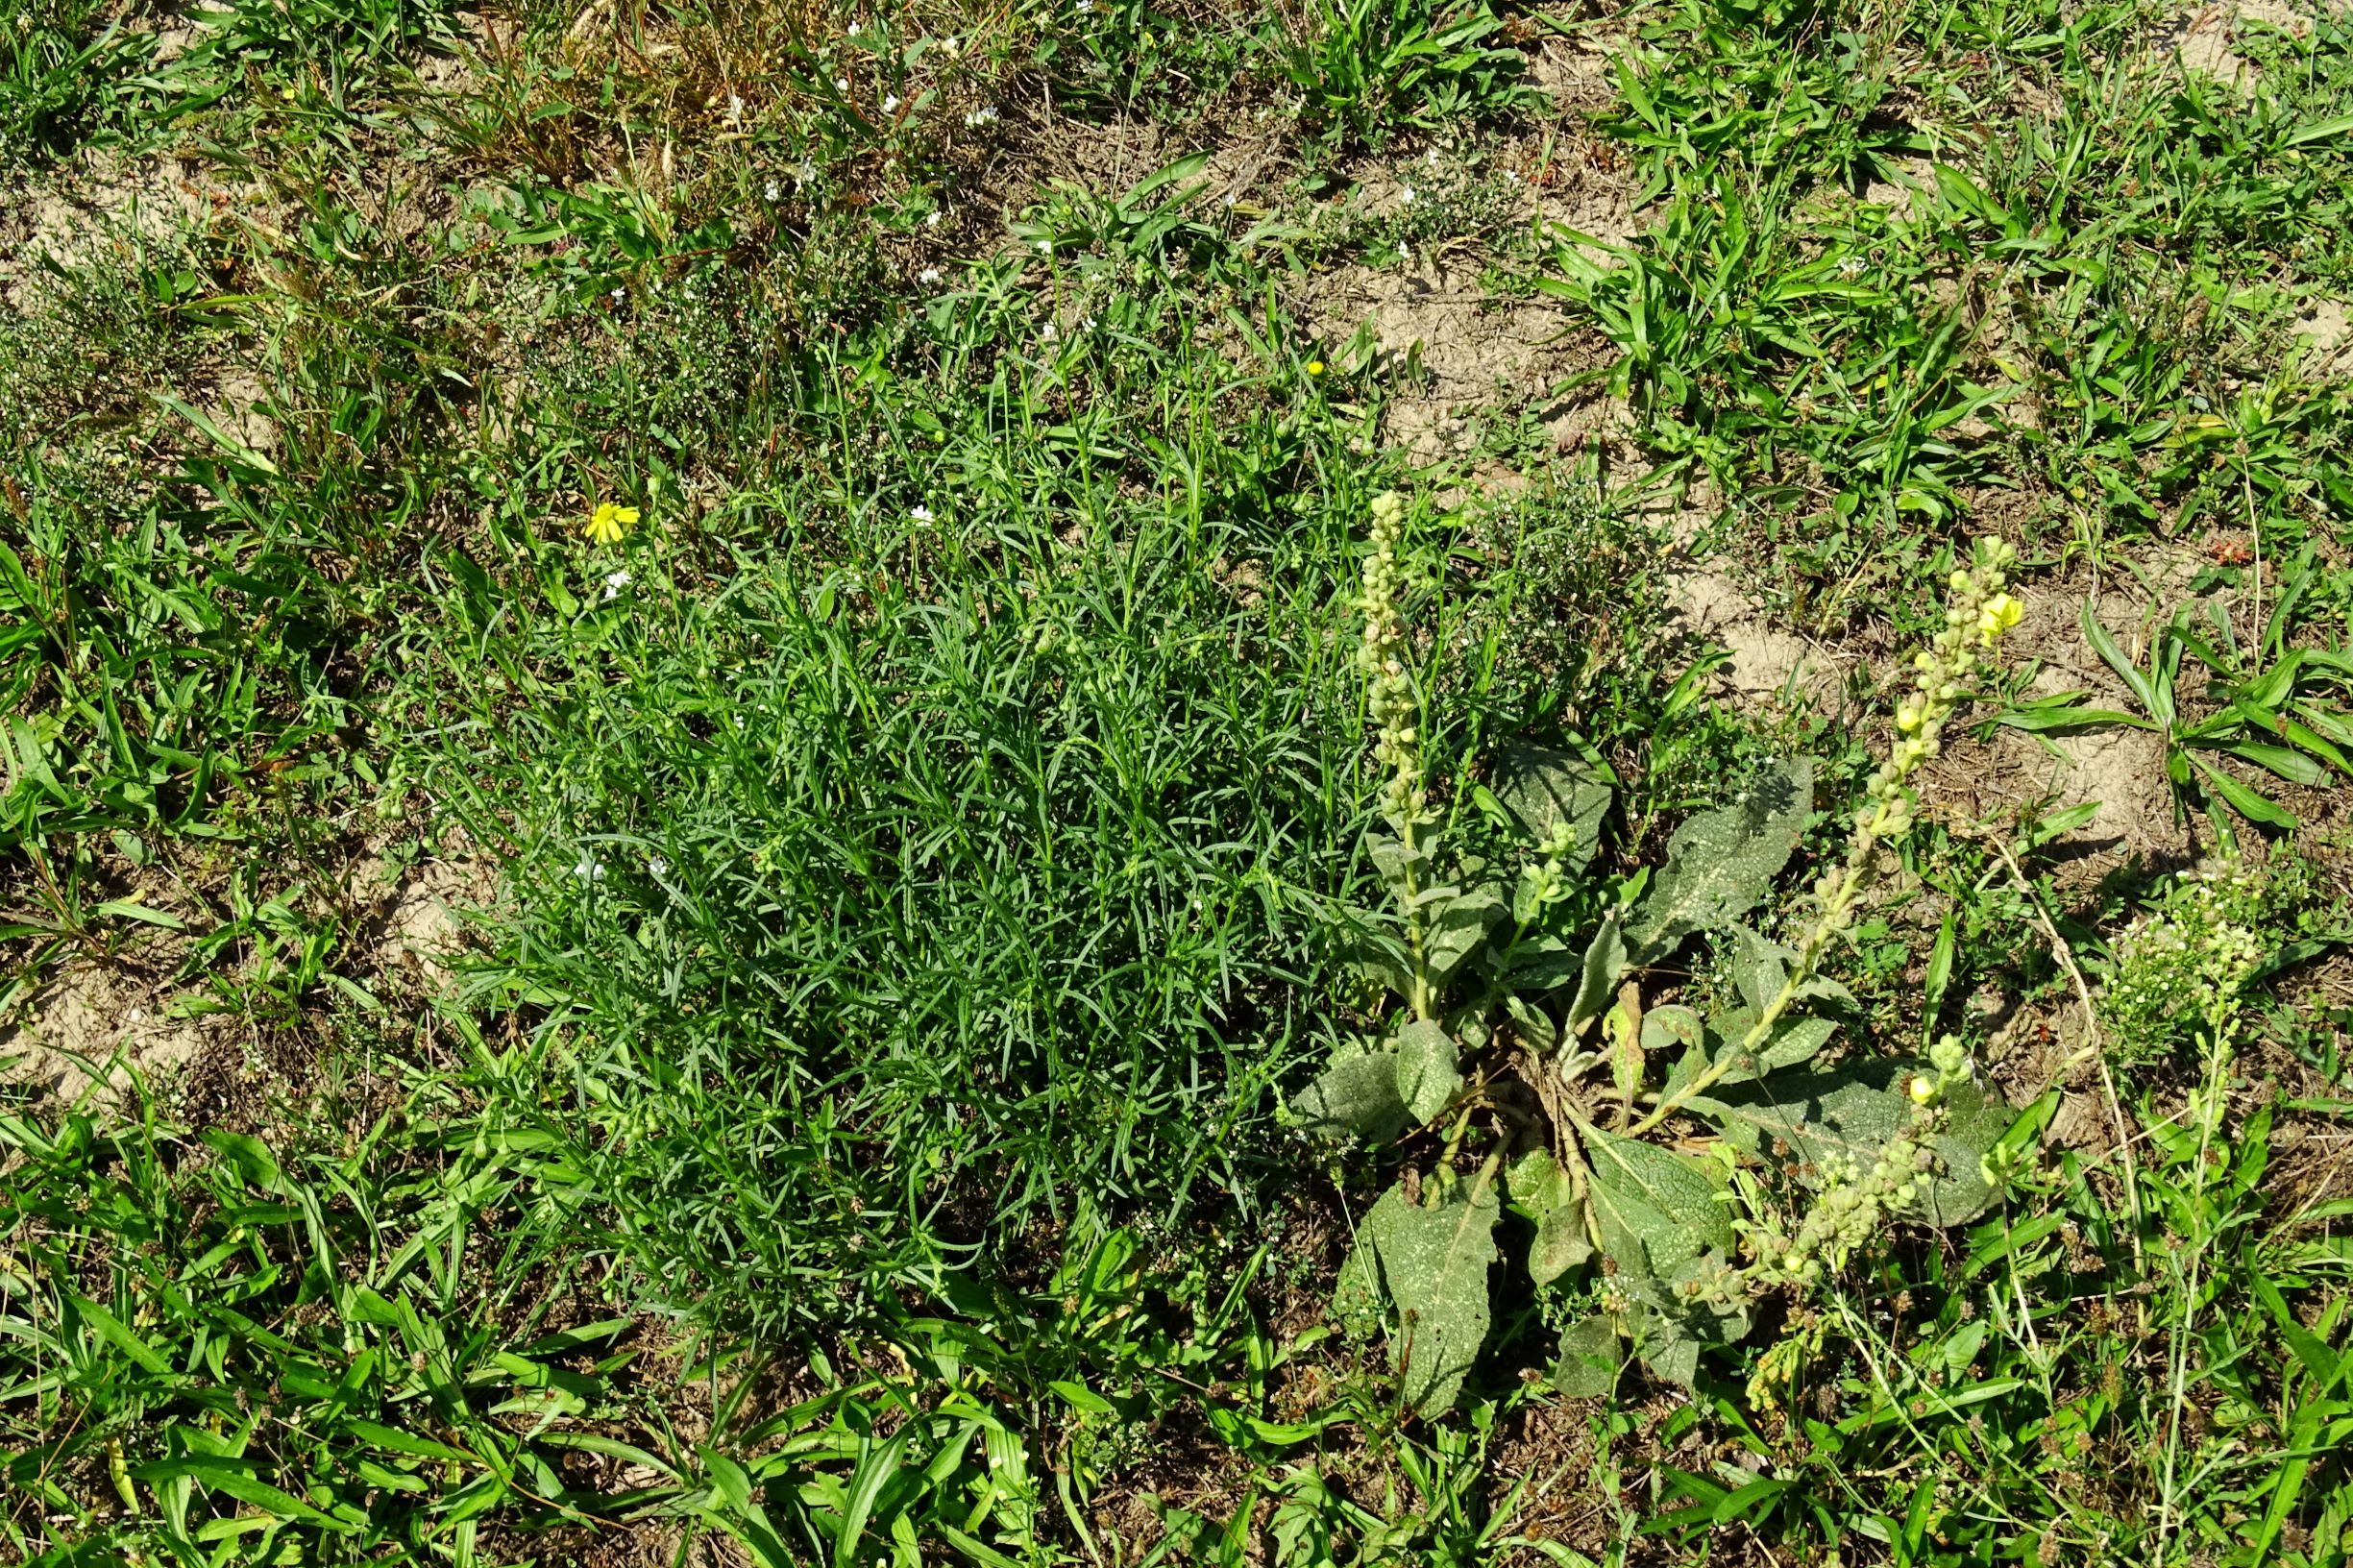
[1390,705]
[1546,882]
[1979,611]
[1853,1209]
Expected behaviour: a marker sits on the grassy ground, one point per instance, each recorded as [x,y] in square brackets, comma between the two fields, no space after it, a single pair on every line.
[764,1035]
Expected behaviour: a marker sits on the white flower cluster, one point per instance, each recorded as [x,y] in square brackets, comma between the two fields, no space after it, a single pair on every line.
[2184,968]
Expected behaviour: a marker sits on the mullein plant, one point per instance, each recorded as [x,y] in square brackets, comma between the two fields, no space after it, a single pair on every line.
[1531,1075]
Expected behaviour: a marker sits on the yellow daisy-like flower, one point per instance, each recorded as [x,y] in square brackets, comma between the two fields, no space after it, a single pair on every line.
[1315,367]
[1999,615]
[1924,1089]
[609,523]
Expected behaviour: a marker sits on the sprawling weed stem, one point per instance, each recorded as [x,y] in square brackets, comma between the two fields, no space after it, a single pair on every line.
[1979,612]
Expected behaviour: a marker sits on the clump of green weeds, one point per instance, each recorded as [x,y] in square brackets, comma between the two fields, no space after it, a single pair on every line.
[1524,1008]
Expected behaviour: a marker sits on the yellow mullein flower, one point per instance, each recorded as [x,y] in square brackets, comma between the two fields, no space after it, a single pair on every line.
[609,523]
[1999,613]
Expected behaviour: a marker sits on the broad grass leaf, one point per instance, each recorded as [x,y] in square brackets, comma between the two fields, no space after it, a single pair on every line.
[1356,1094]
[1540,789]
[1852,1114]
[1429,1072]
[1721,863]
[1656,1210]
[1587,1367]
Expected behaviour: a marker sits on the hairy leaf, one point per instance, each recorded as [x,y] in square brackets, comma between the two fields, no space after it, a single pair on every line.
[1656,1210]
[1434,1263]
[1356,1094]
[1540,789]
[1604,964]
[1397,865]
[1721,862]
[1540,1188]
[1427,1068]
[1535,1025]
[1588,1363]
[1561,1243]
[1792,1040]
[1357,1301]
[1852,1114]
[1460,925]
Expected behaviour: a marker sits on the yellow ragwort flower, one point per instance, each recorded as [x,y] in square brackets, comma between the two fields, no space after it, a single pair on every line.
[1999,613]
[609,523]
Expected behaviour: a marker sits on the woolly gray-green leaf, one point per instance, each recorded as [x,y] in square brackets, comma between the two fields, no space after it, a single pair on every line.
[1460,925]
[1663,1344]
[1356,1094]
[1759,967]
[1721,862]
[1656,1210]
[1588,1364]
[1398,866]
[1534,1025]
[1428,1069]
[1540,789]
[1434,1263]
[1792,1040]
[1540,1188]
[1561,1243]
[1357,1302]
[1606,962]
[1678,1029]
[1851,1116]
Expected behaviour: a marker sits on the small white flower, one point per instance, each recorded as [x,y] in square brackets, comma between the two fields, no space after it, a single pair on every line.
[1083,6]
[619,295]
[658,866]
[805,173]
[775,190]
[856,28]
[614,584]
[931,219]
[984,115]
[929,275]
[921,514]
[1087,324]
[1849,266]
[889,103]
[1045,247]
[841,83]
[1047,332]
[1432,158]
[1405,197]
[1513,174]
[589,868]
[952,47]
[735,105]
